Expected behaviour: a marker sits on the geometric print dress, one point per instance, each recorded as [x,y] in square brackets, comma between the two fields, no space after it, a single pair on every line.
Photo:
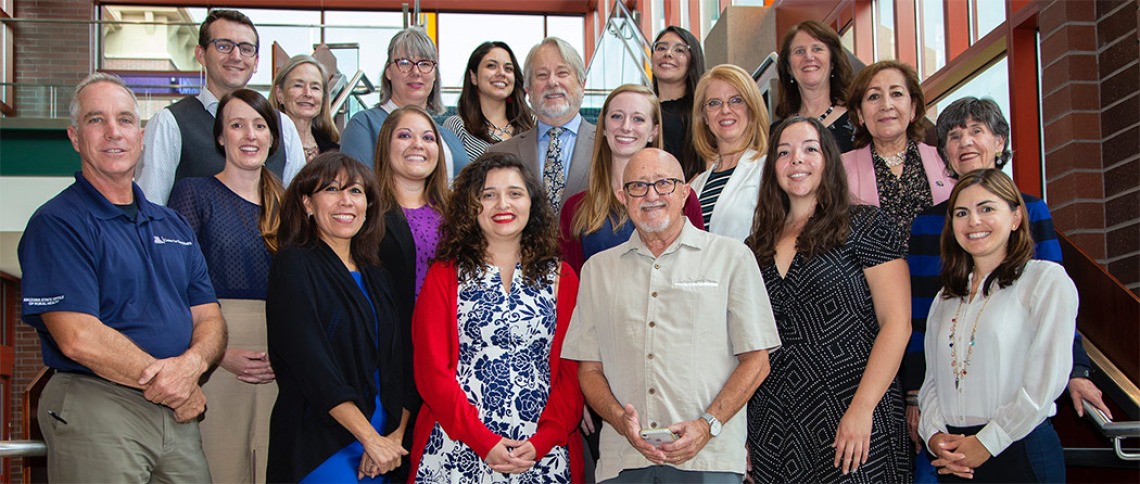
[827,325]
[504,368]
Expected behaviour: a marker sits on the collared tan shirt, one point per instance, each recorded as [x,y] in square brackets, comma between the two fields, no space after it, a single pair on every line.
[667,331]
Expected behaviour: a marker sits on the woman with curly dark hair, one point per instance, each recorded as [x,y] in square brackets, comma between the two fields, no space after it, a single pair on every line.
[488,331]
[838,285]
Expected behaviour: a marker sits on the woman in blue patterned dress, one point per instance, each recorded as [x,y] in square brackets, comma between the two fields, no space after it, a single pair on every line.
[235,216]
[500,405]
[831,410]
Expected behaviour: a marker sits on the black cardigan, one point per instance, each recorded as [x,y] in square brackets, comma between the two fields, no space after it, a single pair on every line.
[322,345]
[398,255]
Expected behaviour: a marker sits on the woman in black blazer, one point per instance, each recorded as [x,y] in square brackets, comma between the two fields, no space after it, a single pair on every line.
[337,341]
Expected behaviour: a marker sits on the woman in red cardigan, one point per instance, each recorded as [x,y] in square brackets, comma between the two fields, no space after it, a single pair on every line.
[500,404]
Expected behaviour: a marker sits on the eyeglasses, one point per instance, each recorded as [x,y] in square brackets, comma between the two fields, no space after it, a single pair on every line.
[405,65]
[663,47]
[664,186]
[226,46]
[734,102]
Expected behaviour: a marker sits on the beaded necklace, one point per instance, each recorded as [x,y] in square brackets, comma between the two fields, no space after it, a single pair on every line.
[825,113]
[960,369]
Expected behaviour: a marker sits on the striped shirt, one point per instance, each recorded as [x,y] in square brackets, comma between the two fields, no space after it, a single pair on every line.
[715,184]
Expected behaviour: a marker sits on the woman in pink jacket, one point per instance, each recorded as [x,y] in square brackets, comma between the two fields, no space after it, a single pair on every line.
[890,167]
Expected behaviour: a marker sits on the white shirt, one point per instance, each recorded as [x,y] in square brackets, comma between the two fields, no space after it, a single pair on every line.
[1023,353]
[667,330]
[736,205]
[162,150]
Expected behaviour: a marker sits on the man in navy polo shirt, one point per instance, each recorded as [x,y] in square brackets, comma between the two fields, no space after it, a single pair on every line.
[117,289]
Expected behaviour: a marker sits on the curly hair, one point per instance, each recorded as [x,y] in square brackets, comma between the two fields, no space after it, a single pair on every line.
[829,224]
[298,228]
[471,111]
[435,185]
[788,103]
[984,111]
[957,263]
[464,241]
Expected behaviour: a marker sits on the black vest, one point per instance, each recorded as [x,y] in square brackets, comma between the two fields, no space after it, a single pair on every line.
[200,156]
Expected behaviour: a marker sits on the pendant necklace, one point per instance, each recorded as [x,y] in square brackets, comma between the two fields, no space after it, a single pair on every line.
[960,369]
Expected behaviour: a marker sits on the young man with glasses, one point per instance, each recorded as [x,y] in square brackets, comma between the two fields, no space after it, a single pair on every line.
[180,139]
[695,322]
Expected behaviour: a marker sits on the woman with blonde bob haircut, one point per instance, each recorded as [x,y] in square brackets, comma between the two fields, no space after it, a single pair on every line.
[730,131]
[998,342]
[294,92]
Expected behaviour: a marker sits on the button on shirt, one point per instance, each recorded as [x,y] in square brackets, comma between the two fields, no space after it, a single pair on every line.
[82,254]
[568,137]
[669,338]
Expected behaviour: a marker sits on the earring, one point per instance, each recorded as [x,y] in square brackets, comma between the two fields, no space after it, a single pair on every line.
[310,214]
[793,80]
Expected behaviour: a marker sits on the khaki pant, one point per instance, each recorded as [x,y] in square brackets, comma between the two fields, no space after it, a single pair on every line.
[104,432]
[235,429]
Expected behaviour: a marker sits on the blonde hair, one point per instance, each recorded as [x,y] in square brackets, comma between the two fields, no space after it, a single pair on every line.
[600,201]
[757,131]
[323,123]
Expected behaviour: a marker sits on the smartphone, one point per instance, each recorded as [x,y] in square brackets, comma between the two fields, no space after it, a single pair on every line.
[658,437]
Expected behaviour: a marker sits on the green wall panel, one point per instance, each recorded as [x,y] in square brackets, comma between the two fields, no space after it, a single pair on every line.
[36,152]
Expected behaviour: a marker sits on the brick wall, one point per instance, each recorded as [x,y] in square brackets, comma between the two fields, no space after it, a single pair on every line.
[50,53]
[1091,113]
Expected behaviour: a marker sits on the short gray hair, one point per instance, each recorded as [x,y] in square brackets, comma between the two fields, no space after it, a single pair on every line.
[984,111]
[569,56]
[73,108]
[415,43]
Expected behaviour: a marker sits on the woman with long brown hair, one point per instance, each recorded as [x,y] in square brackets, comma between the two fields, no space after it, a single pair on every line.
[814,76]
[235,215]
[492,105]
[833,272]
[488,331]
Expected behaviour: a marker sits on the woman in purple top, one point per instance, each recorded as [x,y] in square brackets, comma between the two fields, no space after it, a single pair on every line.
[412,175]
[235,215]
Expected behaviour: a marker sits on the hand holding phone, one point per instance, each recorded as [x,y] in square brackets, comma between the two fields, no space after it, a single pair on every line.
[658,437]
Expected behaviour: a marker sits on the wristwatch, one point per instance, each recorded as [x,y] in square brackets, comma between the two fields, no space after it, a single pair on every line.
[714,424]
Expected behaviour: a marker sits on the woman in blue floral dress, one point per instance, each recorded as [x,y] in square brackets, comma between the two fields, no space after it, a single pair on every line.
[500,405]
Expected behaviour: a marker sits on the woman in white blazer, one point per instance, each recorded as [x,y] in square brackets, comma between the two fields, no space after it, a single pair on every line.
[730,131]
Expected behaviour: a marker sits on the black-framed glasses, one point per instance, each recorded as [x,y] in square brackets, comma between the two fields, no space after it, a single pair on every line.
[664,186]
[677,49]
[734,102]
[226,46]
[405,65]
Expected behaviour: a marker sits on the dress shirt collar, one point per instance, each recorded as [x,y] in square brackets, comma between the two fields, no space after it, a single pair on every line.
[209,101]
[690,237]
[389,106]
[571,126]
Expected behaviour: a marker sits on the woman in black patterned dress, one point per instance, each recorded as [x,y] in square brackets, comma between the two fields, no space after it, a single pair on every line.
[831,410]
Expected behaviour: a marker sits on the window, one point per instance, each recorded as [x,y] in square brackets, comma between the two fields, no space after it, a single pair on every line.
[931,37]
[884,30]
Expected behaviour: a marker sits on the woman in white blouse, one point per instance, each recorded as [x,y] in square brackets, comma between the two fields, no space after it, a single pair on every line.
[999,343]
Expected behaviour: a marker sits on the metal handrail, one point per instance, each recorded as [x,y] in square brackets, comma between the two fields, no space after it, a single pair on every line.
[1117,431]
[22,448]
